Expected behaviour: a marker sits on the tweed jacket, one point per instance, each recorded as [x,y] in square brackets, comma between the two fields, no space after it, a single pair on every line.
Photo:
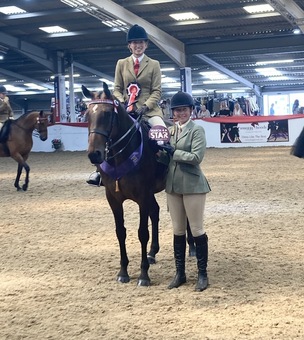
[7,112]
[185,175]
[149,79]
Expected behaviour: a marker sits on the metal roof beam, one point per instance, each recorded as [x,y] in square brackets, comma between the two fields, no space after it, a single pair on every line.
[247,45]
[231,74]
[290,11]
[91,70]
[172,47]
[27,79]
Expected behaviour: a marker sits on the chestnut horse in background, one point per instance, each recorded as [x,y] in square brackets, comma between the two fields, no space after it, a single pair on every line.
[16,140]
[119,146]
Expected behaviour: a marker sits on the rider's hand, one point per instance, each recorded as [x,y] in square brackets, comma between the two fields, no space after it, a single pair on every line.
[142,110]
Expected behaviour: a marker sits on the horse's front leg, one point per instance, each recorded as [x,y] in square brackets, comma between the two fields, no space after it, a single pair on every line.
[19,171]
[27,176]
[121,234]
[143,235]
[154,216]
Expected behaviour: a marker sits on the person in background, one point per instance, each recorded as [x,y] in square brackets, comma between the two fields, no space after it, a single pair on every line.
[203,112]
[138,70]
[7,114]
[186,189]
[271,111]
[237,110]
[296,107]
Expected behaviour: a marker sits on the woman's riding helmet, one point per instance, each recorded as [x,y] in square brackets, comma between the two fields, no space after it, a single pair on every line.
[2,89]
[182,99]
[136,32]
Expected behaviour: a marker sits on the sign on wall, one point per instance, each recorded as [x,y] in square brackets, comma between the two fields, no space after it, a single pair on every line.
[259,132]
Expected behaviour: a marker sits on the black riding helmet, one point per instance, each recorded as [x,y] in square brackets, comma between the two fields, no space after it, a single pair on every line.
[136,32]
[2,89]
[181,99]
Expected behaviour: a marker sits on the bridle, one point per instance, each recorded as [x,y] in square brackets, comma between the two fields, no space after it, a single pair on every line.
[109,146]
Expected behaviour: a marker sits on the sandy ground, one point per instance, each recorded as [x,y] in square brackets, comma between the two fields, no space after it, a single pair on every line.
[59,255]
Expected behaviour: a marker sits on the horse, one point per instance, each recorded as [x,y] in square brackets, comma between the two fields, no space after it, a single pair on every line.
[119,146]
[298,146]
[278,129]
[16,140]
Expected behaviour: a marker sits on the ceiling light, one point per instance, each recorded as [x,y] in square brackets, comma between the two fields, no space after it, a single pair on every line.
[107,81]
[213,75]
[221,81]
[167,69]
[168,80]
[114,23]
[274,62]
[184,16]
[278,78]
[8,10]
[53,29]
[35,86]
[296,31]
[258,9]
[268,71]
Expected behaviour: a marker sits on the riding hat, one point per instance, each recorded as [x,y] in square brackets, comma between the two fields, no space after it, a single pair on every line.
[181,99]
[2,89]
[136,32]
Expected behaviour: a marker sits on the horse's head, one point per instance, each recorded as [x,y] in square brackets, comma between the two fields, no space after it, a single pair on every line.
[101,116]
[41,125]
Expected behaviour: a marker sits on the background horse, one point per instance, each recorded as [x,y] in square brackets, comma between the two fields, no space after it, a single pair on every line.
[16,140]
[128,171]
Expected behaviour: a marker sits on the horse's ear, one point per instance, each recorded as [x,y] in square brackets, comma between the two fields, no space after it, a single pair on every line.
[86,92]
[106,90]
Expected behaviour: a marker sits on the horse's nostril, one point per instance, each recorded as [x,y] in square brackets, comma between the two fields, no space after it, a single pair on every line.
[95,157]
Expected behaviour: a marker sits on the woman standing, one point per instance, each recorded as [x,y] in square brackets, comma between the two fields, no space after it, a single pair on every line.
[186,189]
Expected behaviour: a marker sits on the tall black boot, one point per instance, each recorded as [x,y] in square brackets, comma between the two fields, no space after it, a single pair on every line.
[179,244]
[201,243]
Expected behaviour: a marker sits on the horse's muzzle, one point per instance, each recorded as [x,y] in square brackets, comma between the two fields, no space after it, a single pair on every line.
[95,157]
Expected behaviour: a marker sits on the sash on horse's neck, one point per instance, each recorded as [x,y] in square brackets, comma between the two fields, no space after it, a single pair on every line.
[118,171]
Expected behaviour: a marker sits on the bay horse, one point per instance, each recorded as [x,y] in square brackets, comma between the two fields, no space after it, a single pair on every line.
[16,140]
[119,147]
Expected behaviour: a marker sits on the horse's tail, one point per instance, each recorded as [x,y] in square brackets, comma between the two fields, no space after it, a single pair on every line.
[298,147]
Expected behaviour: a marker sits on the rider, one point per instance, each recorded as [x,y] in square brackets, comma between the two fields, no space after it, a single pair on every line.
[147,81]
[4,115]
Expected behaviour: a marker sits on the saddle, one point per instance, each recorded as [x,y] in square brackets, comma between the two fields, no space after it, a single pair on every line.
[4,132]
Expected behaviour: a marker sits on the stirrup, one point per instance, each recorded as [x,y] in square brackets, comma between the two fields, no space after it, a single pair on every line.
[94,179]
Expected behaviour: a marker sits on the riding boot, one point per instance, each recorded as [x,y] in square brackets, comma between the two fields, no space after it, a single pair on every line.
[179,244]
[201,243]
[95,179]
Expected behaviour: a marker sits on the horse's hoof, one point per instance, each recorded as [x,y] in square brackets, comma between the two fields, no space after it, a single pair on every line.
[151,259]
[123,279]
[24,187]
[143,283]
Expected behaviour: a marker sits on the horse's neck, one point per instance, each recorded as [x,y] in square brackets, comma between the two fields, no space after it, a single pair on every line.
[28,121]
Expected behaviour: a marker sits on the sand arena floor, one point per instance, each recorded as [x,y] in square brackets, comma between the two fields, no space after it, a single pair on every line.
[59,255]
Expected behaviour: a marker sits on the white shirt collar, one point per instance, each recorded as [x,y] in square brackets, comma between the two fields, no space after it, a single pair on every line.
[139,59]
[183,125]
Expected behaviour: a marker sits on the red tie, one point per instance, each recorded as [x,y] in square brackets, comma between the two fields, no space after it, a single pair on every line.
[136,66]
